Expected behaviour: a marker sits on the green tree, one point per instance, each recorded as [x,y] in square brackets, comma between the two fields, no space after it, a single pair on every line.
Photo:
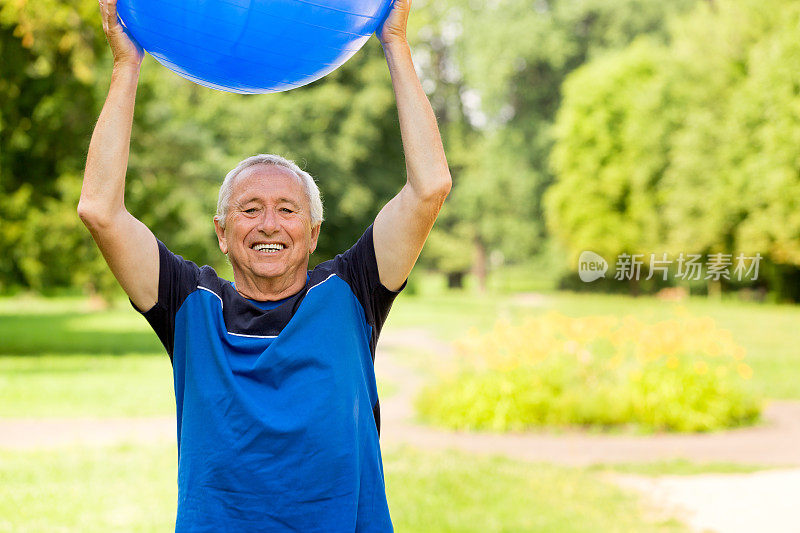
[707,150]
[47,110]
[497,77]
[613,135]
[764,131]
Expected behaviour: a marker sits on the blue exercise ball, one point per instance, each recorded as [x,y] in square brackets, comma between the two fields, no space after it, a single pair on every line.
[252,46]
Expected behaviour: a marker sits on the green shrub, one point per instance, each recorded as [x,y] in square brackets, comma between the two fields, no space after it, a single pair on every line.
[682,375]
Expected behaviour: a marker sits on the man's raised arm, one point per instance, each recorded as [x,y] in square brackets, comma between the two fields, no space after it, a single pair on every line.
[129,247]
[401,227]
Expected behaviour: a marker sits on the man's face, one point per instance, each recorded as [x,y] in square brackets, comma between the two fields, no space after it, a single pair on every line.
[268,207]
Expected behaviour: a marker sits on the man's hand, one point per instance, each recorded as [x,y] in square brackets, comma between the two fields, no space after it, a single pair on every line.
[394,28]
[125,49]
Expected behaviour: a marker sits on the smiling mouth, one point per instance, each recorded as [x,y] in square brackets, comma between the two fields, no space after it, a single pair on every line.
[272,248]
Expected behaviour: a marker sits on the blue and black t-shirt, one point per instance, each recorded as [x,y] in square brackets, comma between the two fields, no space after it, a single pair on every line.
[277,407]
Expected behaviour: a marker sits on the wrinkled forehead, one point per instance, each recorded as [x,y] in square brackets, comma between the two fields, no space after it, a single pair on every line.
[268,182]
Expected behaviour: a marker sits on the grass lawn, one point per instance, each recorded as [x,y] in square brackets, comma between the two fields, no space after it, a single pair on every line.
[58,358]
[678,467]
[458,492]
[133,488]
[121,488]
[35,327]
[86,386]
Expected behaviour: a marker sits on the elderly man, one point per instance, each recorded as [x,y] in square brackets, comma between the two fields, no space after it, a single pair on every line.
[277,407]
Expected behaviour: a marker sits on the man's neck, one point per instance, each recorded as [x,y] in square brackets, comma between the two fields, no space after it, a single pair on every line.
[269,289]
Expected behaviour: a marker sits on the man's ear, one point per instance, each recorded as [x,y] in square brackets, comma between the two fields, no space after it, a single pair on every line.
[220,236]
[314,237]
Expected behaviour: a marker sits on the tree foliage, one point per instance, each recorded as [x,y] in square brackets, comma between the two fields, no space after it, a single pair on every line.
[46,113]
[689,145]
[494,73]
[611,154]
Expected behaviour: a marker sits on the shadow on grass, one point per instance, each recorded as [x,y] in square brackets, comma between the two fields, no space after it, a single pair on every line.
[75,333]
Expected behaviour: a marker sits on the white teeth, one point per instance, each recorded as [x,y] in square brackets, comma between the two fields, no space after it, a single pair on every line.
[268,247]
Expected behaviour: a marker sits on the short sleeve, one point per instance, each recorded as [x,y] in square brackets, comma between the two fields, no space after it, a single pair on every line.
[177,278]
[360,267]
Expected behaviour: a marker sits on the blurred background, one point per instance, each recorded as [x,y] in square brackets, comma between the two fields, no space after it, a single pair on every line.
[517,397]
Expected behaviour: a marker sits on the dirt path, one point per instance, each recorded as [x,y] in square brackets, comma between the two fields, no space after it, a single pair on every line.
[726,503]
[27,433]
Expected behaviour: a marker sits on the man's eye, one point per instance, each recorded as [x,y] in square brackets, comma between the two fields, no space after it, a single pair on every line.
[286,210]
[251,210]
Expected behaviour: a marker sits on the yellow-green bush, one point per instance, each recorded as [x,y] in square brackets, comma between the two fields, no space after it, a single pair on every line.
[683,374]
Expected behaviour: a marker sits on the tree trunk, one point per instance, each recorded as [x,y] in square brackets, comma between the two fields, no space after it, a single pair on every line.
[97,301]
[479,268]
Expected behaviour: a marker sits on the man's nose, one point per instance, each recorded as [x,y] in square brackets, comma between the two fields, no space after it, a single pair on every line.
[269,221]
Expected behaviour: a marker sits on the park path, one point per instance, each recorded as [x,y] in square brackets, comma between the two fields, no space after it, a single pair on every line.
[48,433]
[759,502]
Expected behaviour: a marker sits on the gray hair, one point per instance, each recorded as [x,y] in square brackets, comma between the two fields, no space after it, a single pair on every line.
[310,186]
